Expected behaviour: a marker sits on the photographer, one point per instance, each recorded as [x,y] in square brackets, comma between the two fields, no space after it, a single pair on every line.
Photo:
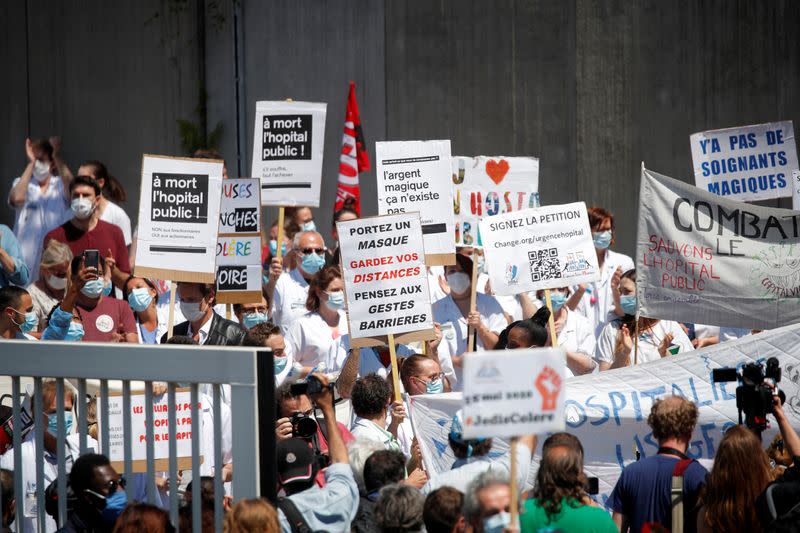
[331,508]
[297,418]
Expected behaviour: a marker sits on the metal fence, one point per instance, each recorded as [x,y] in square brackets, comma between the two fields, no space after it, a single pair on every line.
[114,366]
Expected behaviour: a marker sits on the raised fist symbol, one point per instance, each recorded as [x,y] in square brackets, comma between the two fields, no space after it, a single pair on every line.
[548,384]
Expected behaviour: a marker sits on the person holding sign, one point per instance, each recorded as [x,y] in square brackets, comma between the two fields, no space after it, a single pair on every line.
[574,332]
[288,291]
[596,300]
[151,320]
[454,315]
[310,337]
[203,324]
[657,338]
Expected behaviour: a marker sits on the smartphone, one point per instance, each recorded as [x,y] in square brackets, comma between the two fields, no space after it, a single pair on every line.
[91,259]
[592,486]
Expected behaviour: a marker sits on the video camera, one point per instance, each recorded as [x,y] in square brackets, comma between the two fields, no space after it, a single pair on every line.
[754,396]
[310,385]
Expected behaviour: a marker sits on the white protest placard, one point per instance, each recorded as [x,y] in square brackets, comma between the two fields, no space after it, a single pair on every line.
[796,190]
[487,186]
[385,280]
[513,393]
[747,162]
[239,242]
[162,431]
[414,176]
[288,143]
[542,248]
[178,218]
[710,260]
[608,411]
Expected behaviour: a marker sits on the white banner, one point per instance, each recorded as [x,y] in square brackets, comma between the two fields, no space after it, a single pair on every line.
[414,176]
[513,393]
[178,218]
[796,190]
[182,432]
[542,248]
[385,281]
[747,162]
[288,143]
[487,186]
[608,411]
[710,260]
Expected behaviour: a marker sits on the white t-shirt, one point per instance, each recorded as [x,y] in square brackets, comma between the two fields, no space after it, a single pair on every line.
[649,341]
[454,330]
[114,214]
[311,337]
[41,212]
[42,304]
[369,361]
[597,301]
[369,430]
[289,300]
[577,335]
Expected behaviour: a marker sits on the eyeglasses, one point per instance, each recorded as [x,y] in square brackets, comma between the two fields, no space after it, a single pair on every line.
[114,484]
[432,378]
[308,251]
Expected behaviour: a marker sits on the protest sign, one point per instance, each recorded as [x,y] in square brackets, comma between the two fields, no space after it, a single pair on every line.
[414,176]
[509,394]
[796,190]
[162,432]
[710,260]
[608,411]
[288,143]
[384,275]
[239,242]
[540,248]
[487,186]
[178,218]
[747,162]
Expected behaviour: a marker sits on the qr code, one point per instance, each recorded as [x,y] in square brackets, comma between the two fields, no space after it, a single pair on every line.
[544,264]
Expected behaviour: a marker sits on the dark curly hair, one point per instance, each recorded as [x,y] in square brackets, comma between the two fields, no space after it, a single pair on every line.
[673,416]
[370,395]
[560,477]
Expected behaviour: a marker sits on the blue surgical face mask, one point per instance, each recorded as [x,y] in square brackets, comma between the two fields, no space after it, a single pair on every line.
[30,321]
[52,423]
[93,288]
[140,299]
[497,522]
[628,304]
[74,332]
[107,289]
[273,248]
[335,300]
[308,226]
[602,239]
[280,364]
[251,319]
[312,263]
[434,387]
[115,504]
[557,300]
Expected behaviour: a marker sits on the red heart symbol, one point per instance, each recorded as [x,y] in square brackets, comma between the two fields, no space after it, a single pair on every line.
[497,170]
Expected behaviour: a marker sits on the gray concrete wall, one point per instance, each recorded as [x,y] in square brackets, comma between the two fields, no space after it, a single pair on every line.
[590,87]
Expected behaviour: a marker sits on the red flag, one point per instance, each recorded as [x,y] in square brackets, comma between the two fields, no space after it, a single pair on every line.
[354,158]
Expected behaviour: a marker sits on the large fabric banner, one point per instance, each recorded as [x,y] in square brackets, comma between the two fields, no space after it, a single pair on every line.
[746,163]
[709,260]
[487,186]
[608,411]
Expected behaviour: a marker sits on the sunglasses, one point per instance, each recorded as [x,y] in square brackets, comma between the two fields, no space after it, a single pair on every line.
[308,251]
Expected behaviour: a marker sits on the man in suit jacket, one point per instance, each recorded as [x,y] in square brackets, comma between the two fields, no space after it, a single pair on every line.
[202,323]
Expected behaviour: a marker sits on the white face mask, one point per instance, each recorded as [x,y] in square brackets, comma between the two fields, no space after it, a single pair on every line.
[458,282]
[41,171]
[82,208]
[56,283]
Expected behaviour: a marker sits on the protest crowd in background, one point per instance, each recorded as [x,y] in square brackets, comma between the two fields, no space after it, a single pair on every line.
[67,275]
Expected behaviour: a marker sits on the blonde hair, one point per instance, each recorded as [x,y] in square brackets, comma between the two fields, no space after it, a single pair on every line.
[252,516]
[55,253]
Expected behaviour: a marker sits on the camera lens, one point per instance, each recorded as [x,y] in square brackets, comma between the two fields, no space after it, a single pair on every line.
[303,426]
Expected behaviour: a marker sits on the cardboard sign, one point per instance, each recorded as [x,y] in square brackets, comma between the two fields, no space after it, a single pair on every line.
[513,393]
[710,260]
[414,176]
[487,186]
[239,243]
[161,430]
[178,218]
[386,284]
[288,143]
[543,248]
[746,163]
